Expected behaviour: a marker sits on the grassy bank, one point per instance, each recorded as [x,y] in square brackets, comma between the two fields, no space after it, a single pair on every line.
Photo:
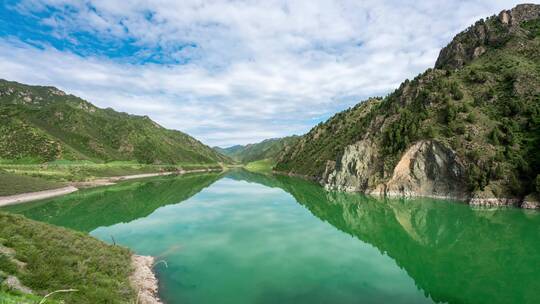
[81,171]
[19,298]
[11,183]
[18,178]
[56,258]
[261,166]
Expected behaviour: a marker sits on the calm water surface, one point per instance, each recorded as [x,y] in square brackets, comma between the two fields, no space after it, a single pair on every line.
[249,238]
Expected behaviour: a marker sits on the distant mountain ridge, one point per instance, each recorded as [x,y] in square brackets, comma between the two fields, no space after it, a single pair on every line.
[266,149]
[467,129]
[44,124]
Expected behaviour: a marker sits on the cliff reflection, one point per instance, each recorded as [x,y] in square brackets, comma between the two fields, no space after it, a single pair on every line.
[454,253]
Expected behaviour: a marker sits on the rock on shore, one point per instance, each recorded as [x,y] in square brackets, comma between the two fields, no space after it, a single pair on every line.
[144,280]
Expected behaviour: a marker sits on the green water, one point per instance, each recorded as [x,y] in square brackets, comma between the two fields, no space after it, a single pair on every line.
[248,238]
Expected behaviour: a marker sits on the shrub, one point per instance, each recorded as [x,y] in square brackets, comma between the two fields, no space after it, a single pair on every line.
[456,93]
[471,118]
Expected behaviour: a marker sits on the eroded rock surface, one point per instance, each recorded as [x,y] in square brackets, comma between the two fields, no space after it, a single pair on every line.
[355,170]
[428,169]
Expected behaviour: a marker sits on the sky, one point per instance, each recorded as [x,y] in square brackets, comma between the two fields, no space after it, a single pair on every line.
[229,72]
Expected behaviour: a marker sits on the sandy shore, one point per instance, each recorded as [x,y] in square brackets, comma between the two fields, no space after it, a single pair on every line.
[144,280]
[74,186]
[114,179]
[34,196]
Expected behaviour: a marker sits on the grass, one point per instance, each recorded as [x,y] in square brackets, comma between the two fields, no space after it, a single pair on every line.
[61,126]
[13,298]
[18,178]
[58,258]
[11,183]
[10,297]
[261,166]
[64,171]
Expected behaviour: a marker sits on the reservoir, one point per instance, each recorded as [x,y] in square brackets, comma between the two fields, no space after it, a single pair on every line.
[241,237]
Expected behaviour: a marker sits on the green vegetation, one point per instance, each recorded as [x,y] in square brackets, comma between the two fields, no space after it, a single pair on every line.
[326,141]
[56,258]
[485,107]
[41,124]
[13,297]
[266,149]
[261,166]
[11,184]
[83,171]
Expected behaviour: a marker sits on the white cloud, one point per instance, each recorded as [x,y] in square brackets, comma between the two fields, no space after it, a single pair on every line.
[255,69]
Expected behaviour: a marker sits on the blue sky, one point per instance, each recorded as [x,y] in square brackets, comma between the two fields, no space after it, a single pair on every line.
[229,72]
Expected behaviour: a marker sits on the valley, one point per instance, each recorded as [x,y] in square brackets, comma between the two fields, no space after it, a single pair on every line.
[430,194]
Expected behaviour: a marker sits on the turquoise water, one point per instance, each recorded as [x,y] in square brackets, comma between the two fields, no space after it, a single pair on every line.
[249,238]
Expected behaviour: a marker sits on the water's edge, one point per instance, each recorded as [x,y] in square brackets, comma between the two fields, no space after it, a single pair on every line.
[529,202]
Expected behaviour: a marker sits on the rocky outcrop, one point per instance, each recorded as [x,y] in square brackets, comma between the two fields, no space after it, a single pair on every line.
[494,202]
[495,31]
[531,202]
[355,170]
[428,169]
[13,283]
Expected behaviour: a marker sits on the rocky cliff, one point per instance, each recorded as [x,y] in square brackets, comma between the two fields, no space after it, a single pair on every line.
[468,129]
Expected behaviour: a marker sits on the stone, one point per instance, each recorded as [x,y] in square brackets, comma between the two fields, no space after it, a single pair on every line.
[428,168]
[531,202]
[504,17]
[355,170]
[13,283]
[144,280]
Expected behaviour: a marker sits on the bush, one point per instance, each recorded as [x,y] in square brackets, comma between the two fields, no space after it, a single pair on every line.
[471,118]
[477,178]
[456,93]
[449,112]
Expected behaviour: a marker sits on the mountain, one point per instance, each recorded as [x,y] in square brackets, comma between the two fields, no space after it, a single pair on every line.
[468,129]
[44,124]
[266,149]
[230,151]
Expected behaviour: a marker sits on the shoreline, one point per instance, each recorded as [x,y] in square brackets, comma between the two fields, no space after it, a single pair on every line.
[528,203]
[75,186]
[144,279]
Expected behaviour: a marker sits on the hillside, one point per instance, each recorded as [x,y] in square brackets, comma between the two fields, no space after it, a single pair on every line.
[45,258]
[43,124]
[266,149]
[468,129]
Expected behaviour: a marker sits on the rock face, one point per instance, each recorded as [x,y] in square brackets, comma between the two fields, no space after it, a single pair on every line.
[531,202]
[355,170]
[472,42]
[428,169]
[13,283]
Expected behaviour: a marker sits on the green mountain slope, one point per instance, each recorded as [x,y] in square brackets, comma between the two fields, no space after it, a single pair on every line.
[480,105]
[44,124]
[266,149]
